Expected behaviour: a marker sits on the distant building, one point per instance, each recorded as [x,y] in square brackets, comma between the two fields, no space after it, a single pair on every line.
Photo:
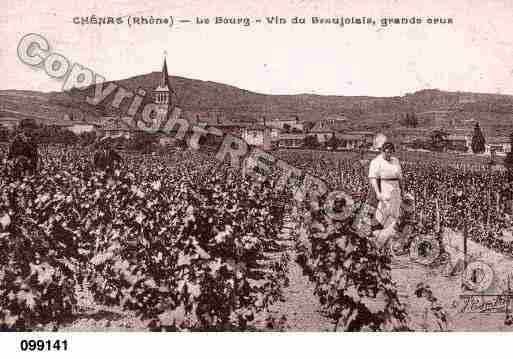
[78,128]
[231,127]
[115,126]
[334,121]
[323,131]
[354,140]
[10,122]
[291,140]
[459,141]
[275,134]
[258,136]
[283,124]
[326,128]
[500,145]
[119,127]
[170,126]
[162,96]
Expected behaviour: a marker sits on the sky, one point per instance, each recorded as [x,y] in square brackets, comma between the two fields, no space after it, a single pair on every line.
[473,54]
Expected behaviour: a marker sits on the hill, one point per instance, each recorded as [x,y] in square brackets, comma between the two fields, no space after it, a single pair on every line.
[205,99]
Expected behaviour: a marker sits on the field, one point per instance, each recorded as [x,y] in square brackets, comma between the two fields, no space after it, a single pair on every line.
[442,158]
[183,242]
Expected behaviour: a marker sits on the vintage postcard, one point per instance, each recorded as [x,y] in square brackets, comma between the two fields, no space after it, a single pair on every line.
[246,166]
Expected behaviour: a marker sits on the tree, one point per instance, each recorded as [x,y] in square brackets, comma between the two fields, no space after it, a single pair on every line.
[142,141]
[419,144]
[67,137]
[404,121]
[55,134]
[28,123]
[332,142]
[308,125]
[4,133]
[508,161]
[414,121]
[409,120]
[438,140]
[478,140]
[87,138]
[311,141]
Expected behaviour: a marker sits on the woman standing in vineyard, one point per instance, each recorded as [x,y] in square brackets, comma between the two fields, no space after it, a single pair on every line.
[385,178]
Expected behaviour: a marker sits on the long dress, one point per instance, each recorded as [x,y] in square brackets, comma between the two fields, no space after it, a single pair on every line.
[388,175]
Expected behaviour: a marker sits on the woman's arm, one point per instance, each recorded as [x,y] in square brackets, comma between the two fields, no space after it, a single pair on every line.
[374,174]
[375,187]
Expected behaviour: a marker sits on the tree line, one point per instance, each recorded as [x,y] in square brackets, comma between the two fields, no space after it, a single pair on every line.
[51,134]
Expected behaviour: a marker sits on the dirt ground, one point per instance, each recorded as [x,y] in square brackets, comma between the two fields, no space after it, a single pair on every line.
[301,309]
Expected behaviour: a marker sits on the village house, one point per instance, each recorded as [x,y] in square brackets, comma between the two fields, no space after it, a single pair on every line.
[462,139]
[292,124]
[326,128]
[231,127]
[291,140]
[499,145]
[83,127]
[458,141]
[119,128]
[354,140]
[275,134]
[335,121]
[323,131]
[9,122]
[258,136]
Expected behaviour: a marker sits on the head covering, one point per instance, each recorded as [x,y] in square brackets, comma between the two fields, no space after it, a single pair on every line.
[388,145]
[379,141]
[27,123]
[103,141]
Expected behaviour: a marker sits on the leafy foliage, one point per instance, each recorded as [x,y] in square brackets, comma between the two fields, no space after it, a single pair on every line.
[352,277]
[189,248]
[409,120]
[478,140]
[438,140]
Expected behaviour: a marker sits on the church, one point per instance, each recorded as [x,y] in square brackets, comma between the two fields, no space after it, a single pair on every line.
[163,105]
[162,96]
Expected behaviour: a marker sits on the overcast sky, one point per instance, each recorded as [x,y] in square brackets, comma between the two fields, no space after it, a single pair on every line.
[474,54]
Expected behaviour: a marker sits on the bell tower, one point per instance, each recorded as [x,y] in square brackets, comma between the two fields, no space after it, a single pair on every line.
[162,96]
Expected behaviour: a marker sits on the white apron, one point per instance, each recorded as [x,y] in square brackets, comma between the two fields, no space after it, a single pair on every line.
[388,174]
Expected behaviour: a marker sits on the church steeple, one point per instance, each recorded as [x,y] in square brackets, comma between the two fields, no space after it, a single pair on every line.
[163,90]
[164,80]
[162,95]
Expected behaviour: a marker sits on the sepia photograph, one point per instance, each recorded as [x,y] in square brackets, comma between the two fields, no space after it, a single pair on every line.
[288,166]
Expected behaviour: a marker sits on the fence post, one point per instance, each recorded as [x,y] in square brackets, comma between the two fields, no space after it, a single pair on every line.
[438,224]
[488,209]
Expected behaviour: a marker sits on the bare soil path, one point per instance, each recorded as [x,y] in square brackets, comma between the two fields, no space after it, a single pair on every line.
[301,307]
[301,311]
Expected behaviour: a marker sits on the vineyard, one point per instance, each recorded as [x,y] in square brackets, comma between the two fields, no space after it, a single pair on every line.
[183,242]
[446,194]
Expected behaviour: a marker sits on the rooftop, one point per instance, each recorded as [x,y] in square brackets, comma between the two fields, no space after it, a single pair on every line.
[349,136]
[292,136]
[497,140]
[256,127]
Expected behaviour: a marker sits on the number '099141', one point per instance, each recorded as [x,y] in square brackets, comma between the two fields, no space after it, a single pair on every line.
[43,345]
